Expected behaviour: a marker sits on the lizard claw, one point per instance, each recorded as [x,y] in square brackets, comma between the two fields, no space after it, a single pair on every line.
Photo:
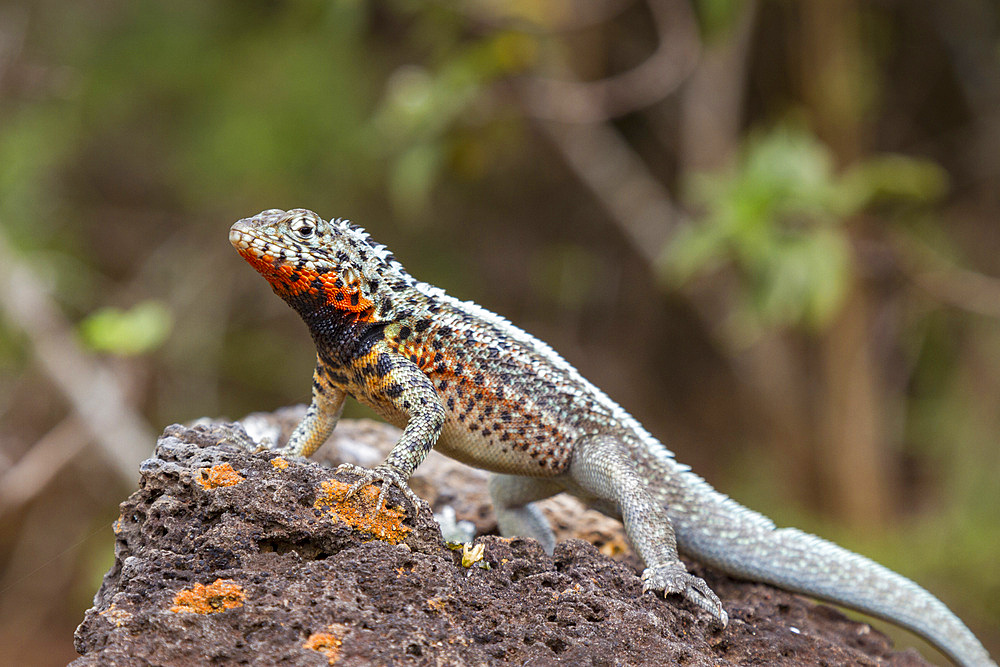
[381,473]
[675,579]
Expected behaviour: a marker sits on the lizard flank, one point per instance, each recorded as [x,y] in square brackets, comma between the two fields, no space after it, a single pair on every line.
[461,379]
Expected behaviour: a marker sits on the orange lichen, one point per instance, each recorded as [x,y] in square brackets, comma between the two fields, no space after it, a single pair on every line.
[220,475]
[279,463]
[436,604]
[218,596]
[359,511]
[117,616]
[326,643]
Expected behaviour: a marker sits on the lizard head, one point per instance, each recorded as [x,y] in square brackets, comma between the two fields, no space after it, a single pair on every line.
[311,263]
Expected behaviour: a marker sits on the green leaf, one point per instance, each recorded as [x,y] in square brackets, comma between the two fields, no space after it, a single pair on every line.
[777,219]
[139,330]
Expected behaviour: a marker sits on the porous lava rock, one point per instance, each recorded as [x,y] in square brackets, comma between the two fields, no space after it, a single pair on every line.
[226,556]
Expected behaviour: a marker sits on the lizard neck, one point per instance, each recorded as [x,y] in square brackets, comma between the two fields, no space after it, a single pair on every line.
[342,336]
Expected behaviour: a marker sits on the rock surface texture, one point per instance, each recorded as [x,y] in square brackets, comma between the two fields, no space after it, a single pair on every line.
[228,557]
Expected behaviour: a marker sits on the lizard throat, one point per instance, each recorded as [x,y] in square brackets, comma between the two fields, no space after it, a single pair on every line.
[308,290]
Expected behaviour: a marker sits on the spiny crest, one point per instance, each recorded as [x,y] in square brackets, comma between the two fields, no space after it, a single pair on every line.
[373,248]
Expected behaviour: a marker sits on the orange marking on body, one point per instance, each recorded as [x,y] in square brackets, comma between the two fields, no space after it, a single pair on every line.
[280,276]
[283,279]
[345,297]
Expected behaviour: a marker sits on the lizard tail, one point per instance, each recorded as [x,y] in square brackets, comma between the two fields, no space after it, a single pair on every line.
[718,531]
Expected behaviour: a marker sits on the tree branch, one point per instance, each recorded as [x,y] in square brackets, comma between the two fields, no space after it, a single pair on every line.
[658,76]
[92,389]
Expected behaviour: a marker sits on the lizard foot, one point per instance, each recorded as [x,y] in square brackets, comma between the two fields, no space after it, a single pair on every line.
[381,473]
[245,441]
[675,579]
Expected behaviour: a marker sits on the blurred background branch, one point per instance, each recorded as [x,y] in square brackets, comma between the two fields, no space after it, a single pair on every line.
[97,397]
[652,80]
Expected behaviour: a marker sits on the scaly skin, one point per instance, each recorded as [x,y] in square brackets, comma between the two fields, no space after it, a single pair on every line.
[460,378]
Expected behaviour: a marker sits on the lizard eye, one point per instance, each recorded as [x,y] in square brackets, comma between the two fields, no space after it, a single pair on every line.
[303,227]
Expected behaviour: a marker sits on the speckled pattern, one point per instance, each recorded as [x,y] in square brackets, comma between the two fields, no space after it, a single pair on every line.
[521,403]
[468,382]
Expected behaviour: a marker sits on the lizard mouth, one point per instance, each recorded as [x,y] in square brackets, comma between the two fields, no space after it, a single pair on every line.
[247,242]
[288,269]
[269,259]
[259,250]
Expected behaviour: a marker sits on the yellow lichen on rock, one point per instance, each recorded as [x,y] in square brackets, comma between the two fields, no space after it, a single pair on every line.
[472,554]
[436,604]
[359,511]
[279,463]
[218,596]
[220,475]
[117,616]
[326,643]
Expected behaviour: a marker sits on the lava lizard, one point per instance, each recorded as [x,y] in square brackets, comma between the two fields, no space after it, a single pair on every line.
[460,378]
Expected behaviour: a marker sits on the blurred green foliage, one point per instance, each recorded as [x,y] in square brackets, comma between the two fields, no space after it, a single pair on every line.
[780,217]
[138,330]
[422,107]
[717,17]
[237,97]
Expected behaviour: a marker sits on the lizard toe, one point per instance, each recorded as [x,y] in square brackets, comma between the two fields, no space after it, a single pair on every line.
[675,579]
[388,475]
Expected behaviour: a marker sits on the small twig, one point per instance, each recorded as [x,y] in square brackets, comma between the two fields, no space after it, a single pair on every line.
[639,204]
[636,201]
[654,79]
[31,474]
[712,104]
[961,288]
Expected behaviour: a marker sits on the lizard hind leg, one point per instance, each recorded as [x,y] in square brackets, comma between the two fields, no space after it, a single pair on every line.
[607,477]
[517,514]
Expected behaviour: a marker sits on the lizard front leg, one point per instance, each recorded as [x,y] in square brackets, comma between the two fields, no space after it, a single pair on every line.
[602,468]
[400,384]
[321,417]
